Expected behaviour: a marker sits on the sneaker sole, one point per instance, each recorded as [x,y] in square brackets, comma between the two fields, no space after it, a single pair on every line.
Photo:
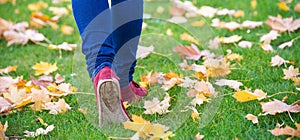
[111,110]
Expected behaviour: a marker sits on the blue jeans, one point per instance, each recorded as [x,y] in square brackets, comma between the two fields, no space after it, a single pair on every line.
[110,36]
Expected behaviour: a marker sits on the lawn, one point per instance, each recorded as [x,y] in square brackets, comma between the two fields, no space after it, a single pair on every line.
[222,118]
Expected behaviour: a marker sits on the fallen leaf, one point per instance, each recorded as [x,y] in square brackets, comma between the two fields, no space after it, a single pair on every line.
[233,56]
[199,100]
[251,24]
[39,119]
[4,26]
[252,118]
[143,52]
[231,83]
[189,52]
[39,98]
[286,44]
[59,11]
[244,96]
[64,46]
[297,7]
[39,131]
[8,69]
[147,130]
[239,13]
[216,67]
[298,89]
[277,106]
[18,97]
[176,11]
[283,25]
[267,47]
[198,23]
[156,106]
[37,6]
[231,39]
[267,38]
[199,136]
[285,131]
[169,32]
[189,38]
[282,6]
[178,19]
[5,106]
[214,43]
[245,44]
[67,30]
[160,9]
[278,61]
[207,11]
[59,79]
[205,88]
[290,73]
[259,94]
[253,4]
[6,82]
[44,68]
[3,129]
[57,107]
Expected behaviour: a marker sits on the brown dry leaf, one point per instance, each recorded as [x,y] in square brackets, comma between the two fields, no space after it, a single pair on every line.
[231,39]
[277,106]
[44,68]
[67,30]
[217,67]
[59,11]
[37,6]
[285,131]
[297,7]
[205,88]
[245,44]
[6,82]
[143,52]
[283,24]
[57,107]
[3,128]
[231,83]
[4,26]
[39,98]
[8,69]
[189,38]
[189,52]
[278,61]
[18,97]
[286,44]
[146,130]
[290,73]
[251,24]
[15,37]
[176,11]
[5,106]
[59,79]
[199,136]
[64,46]
[156,106]
[199,100]
[39,20]
[282,6]
[252,118]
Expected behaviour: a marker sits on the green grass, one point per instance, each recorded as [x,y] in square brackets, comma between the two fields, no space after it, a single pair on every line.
[228,123]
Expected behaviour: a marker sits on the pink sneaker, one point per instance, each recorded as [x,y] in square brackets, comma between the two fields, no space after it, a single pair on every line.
[133,92]
[108,97]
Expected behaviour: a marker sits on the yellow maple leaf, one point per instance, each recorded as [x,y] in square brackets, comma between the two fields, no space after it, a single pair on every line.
[253,4]
[18,97]
[282,6]
[44,68]
[244,96]
[8,69]
[147,130]
[189,38]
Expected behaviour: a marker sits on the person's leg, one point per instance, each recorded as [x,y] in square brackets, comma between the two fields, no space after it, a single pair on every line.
[127,25]
[94,20]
